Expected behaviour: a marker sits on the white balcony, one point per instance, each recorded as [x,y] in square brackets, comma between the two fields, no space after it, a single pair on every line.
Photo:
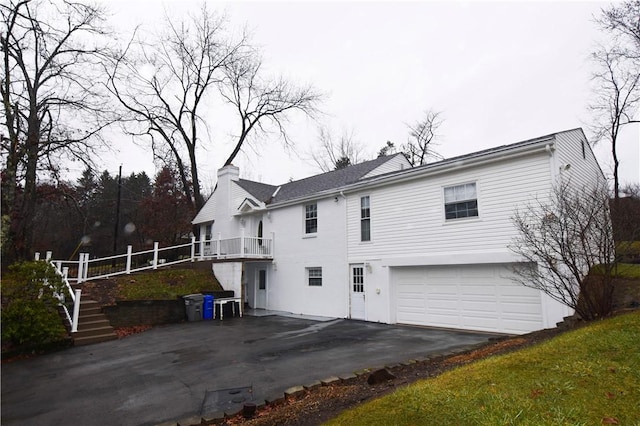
[236,248]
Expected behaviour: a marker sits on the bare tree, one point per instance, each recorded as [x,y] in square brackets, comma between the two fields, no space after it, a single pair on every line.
[615,99]
[422,137]
[567,239]
[263,105]
[623,21]
[52,108]
[335,154]
[616,93]
[163,83]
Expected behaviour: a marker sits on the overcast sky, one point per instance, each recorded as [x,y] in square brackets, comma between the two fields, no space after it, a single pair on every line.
[500,72]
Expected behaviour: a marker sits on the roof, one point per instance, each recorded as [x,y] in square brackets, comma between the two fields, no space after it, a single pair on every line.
[357,173]
[313,184]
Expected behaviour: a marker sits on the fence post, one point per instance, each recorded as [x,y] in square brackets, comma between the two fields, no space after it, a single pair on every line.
[80,267]
[59,266]
[65,272]
[202,246]
[86,267]
[48,255]
[36,256]
[76,311]
[193,248]
[155,255]
[129,251]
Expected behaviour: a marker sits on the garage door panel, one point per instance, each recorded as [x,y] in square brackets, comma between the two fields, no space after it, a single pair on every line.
[478,297]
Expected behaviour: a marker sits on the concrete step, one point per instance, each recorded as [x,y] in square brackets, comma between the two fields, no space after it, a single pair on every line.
[91,332]
[84,324]
[91,317]
[81,341]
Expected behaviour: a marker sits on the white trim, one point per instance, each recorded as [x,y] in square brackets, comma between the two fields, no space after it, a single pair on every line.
[453,258]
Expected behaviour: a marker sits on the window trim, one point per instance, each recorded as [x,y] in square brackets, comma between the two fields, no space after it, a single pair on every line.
[465,200]
[317,279]
[308,219]
[367,218]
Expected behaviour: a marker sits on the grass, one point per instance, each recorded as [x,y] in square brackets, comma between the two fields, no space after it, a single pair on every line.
[165,284]
[589,376]
[628,270]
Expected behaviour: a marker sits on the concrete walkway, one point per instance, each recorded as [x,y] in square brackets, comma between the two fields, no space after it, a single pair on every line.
[203,368]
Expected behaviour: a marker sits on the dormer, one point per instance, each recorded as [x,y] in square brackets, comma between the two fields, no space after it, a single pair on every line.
[249,205]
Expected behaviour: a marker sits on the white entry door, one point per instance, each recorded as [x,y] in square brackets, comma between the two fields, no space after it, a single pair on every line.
[261,289]
[357,292]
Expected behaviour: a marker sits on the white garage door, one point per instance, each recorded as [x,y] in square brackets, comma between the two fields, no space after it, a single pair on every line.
[470,297]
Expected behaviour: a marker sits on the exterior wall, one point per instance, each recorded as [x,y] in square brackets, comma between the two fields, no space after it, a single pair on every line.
[399,162]
[229,275]
[407,219]
[408,225]
[582,168]
[288,288]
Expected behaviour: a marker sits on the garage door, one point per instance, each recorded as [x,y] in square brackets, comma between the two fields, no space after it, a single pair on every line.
[471,297]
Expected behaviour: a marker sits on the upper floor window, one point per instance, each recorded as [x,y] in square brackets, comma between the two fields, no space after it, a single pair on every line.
[460,201]
[365,219]
[310,218]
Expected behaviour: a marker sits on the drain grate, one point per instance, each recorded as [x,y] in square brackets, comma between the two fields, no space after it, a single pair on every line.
[226,400]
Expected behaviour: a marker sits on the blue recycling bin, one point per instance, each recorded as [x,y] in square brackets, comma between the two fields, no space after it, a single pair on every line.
[207,307]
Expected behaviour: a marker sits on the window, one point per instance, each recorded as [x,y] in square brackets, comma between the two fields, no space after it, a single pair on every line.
[260,233]
[365,219]
[310,218]
[207,235]
[460,201]
[314,276]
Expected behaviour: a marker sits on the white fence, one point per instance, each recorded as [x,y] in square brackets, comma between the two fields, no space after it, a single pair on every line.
[86,268]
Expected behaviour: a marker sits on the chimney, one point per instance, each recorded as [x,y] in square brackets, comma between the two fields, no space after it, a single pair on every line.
[229,173]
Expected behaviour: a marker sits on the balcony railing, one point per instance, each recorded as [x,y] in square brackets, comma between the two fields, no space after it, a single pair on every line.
[238,247]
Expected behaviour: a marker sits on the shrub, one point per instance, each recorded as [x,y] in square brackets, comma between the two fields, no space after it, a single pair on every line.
[29,309]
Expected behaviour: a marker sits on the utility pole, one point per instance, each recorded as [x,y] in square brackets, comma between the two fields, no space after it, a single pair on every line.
[117,226]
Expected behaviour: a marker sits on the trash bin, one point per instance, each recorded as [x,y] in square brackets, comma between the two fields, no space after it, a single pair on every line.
[207,309]
[193,306]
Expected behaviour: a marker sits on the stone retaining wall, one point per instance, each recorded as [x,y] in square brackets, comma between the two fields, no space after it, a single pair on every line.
[153,312]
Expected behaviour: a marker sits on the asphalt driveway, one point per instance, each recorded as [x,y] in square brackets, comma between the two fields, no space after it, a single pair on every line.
[200,368]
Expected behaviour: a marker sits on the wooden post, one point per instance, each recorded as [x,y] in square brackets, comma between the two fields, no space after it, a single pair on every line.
[193,248]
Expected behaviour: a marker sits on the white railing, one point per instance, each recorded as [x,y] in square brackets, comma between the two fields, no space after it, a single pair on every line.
[85,268]
[75,295]
[237,247]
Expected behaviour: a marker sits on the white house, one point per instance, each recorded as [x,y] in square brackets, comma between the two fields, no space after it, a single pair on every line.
[382,241]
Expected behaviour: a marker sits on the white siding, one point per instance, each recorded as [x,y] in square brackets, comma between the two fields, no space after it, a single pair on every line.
[398,162]
[584,170]
[294,252]
[408,218]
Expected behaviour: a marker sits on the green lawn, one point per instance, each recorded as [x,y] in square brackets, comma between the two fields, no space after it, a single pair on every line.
[165,284]
[589,376]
